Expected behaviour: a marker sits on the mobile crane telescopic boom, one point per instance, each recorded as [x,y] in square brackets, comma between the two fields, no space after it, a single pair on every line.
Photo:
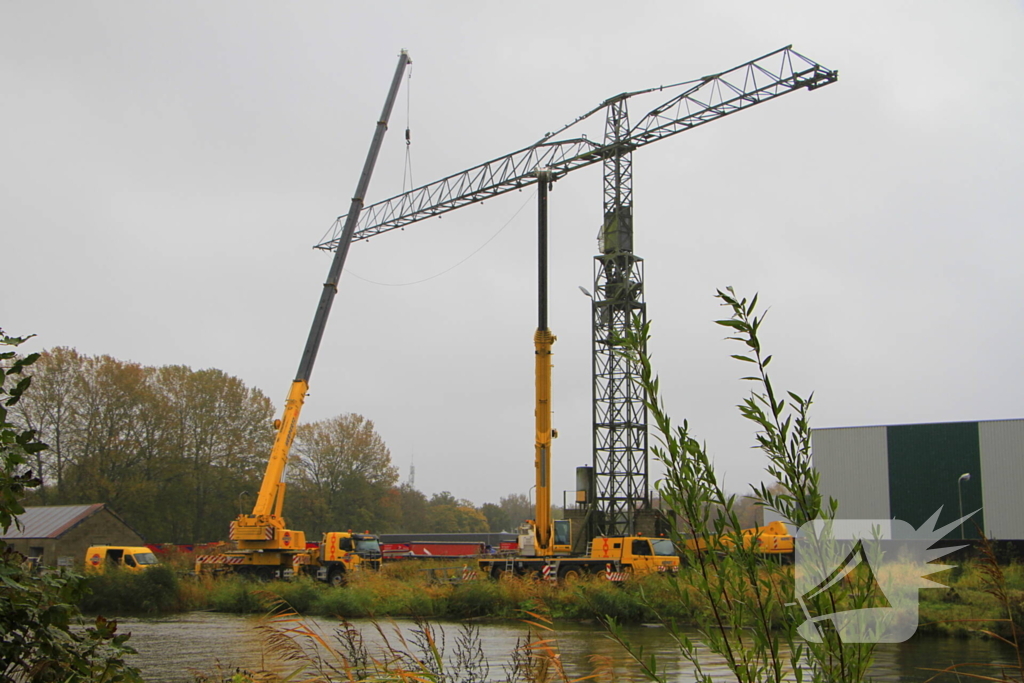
[542,340]
[264,529]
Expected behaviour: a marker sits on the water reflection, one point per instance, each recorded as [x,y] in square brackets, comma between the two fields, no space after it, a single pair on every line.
[174,649]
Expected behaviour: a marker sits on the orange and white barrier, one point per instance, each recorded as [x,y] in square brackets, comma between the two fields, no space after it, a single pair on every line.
[219,559]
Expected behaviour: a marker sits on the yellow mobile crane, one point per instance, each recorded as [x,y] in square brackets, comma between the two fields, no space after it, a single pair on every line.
[540,533]
[545,546]
[265,546]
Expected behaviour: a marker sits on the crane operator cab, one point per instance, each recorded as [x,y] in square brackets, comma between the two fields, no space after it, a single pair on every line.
[354,551]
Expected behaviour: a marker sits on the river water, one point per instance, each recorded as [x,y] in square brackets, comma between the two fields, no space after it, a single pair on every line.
[175,649]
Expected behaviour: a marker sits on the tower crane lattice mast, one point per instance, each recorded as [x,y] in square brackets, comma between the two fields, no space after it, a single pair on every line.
[619,406]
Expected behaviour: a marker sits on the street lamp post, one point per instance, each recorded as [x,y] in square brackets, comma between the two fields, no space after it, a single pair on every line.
[966,476]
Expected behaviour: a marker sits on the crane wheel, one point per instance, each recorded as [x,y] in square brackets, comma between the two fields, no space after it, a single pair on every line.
[336,578]
[497,573]
[570,574]
[261,574]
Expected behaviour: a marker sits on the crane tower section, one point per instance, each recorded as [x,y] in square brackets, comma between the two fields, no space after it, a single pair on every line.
[619,403]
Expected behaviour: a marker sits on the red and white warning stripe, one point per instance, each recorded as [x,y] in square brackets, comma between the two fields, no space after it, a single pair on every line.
[468,574]
[220,559]
[548,573]
[614,575]
[268,532]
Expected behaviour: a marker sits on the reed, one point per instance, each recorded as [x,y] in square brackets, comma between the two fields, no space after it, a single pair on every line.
[426,652]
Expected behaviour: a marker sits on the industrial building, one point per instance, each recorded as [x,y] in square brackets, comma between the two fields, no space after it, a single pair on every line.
[908,472]
[58,535]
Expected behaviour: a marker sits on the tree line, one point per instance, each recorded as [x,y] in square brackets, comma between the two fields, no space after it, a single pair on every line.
[178,453]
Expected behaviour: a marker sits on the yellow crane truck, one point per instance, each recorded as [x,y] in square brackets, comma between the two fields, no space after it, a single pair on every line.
[265,546]
[772,539]
[545,548]
[334,559]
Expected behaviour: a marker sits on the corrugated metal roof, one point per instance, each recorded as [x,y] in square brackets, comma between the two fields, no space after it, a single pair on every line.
[50,521]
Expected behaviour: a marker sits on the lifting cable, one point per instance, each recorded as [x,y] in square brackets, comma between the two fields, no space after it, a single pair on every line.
[407,169]
[448,270]
[333,231]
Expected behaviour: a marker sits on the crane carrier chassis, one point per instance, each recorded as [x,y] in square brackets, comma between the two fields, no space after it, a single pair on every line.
[615,557]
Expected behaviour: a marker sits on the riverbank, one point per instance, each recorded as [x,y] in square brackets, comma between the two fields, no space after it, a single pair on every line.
[965,608]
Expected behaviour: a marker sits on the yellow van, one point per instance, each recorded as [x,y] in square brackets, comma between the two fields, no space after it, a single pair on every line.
[132,558]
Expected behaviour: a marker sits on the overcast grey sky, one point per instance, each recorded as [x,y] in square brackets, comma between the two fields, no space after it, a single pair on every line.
[167,168]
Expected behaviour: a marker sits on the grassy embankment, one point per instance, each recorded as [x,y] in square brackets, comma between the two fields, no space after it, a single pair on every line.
[969,605]
[406,590]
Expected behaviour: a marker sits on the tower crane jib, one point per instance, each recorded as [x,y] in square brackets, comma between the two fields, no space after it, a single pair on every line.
[706,99]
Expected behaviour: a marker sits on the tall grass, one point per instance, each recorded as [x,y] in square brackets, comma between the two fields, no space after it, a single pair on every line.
[380,595]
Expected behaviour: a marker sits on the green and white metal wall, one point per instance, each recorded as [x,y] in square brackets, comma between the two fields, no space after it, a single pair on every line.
[908,471]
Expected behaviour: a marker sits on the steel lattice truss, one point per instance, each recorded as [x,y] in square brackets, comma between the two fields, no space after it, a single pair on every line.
[701,101]
[620,413]
[620,404]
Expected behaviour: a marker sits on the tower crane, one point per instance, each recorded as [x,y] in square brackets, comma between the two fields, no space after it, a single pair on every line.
[619,404]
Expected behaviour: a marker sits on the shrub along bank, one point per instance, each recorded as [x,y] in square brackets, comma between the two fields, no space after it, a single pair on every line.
[400,591]
[406,590]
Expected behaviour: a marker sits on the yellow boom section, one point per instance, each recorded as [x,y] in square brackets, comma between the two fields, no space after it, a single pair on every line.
[266,513]
[542,340]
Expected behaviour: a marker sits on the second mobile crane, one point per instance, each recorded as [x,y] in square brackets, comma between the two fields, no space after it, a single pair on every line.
[545,545]
[266,547]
